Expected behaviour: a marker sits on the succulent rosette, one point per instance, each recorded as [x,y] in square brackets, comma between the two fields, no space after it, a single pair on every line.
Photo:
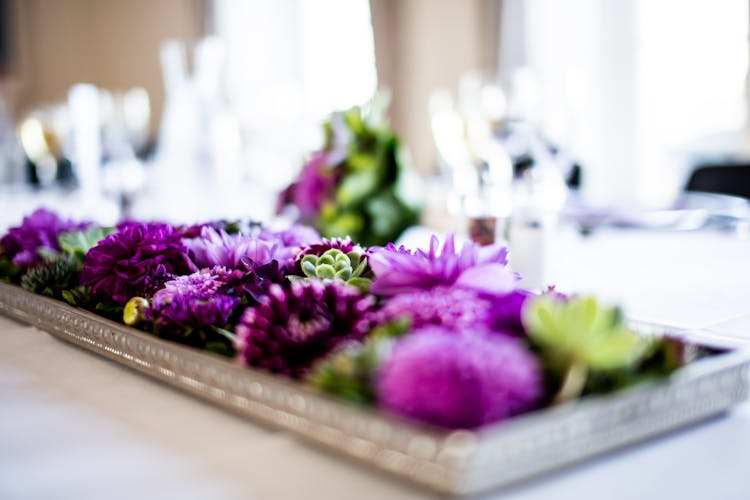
[119,266]
[292,327]
[480,268]
[459,381]
[40,230]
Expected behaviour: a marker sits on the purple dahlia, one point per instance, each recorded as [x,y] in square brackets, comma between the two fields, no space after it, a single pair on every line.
[120,266]
[38,230]
[481,268]
[289,242]
[459,381]
[192,301]
[290,328]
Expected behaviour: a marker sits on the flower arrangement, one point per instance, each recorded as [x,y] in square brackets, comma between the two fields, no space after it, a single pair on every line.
[441,335]
[357,184]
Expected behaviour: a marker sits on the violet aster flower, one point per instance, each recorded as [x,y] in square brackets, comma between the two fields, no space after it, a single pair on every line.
[118,267]
[192,301]
[398,270]
[290,328]
[215,247]
[313,188]
[459,381]
[38,230]
[451,307]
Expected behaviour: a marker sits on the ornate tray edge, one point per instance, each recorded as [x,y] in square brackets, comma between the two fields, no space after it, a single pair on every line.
[451,462]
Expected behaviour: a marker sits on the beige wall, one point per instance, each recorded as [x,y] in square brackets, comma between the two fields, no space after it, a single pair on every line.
[110,43]
[421,45]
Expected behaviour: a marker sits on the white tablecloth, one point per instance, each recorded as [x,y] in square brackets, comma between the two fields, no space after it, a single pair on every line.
[74,426]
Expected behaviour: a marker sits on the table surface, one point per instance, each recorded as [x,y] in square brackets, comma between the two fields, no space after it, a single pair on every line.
[73,425]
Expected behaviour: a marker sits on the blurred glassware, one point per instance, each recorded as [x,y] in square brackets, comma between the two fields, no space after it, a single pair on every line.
[11,154]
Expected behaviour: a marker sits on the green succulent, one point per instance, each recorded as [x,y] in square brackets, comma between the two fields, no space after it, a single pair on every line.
[52,277]
[335,264]
[78,243]
[349,371]
[579,335]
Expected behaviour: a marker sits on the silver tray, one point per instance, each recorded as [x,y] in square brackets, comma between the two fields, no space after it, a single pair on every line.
[458,462]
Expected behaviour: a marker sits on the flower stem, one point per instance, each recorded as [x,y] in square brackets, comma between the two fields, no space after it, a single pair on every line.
[226,333]
[573,383]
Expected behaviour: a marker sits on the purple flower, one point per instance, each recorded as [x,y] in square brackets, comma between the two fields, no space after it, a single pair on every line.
[215,247]
[346,245]
[289,242]
[397,270]
[313,188]
[459,381]
[38,230]
[506,311]
[192,301]
[120,265]
[290,328]
[453,308]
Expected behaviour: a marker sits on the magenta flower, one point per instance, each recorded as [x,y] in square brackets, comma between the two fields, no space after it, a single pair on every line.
[215,247]
[459,381]
[290,328]
[451,307]
[38,230]
[313,188]
[120,265]
[398,270]
[506,311]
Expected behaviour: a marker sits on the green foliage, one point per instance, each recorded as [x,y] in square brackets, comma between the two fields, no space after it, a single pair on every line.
[370,203]
[349,372]
[349,267]
[77,243]
[9,272]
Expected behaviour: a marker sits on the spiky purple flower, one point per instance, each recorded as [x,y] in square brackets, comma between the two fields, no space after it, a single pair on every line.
[481,268]
[215,247]
[39,230]
[459,381]
[290,328]
[119,265]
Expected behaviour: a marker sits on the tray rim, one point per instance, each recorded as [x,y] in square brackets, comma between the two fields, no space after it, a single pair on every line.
[448,461]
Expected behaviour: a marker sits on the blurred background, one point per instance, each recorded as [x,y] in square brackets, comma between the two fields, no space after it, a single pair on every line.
[197,109]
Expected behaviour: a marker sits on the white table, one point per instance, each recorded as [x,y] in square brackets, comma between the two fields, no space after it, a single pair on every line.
[74,426]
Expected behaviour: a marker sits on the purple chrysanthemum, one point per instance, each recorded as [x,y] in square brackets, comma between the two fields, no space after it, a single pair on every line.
[455,308]
[120,265]
[192,301]
[312,189]
[481,268]
[39,230]
[290,328]
[459,381]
